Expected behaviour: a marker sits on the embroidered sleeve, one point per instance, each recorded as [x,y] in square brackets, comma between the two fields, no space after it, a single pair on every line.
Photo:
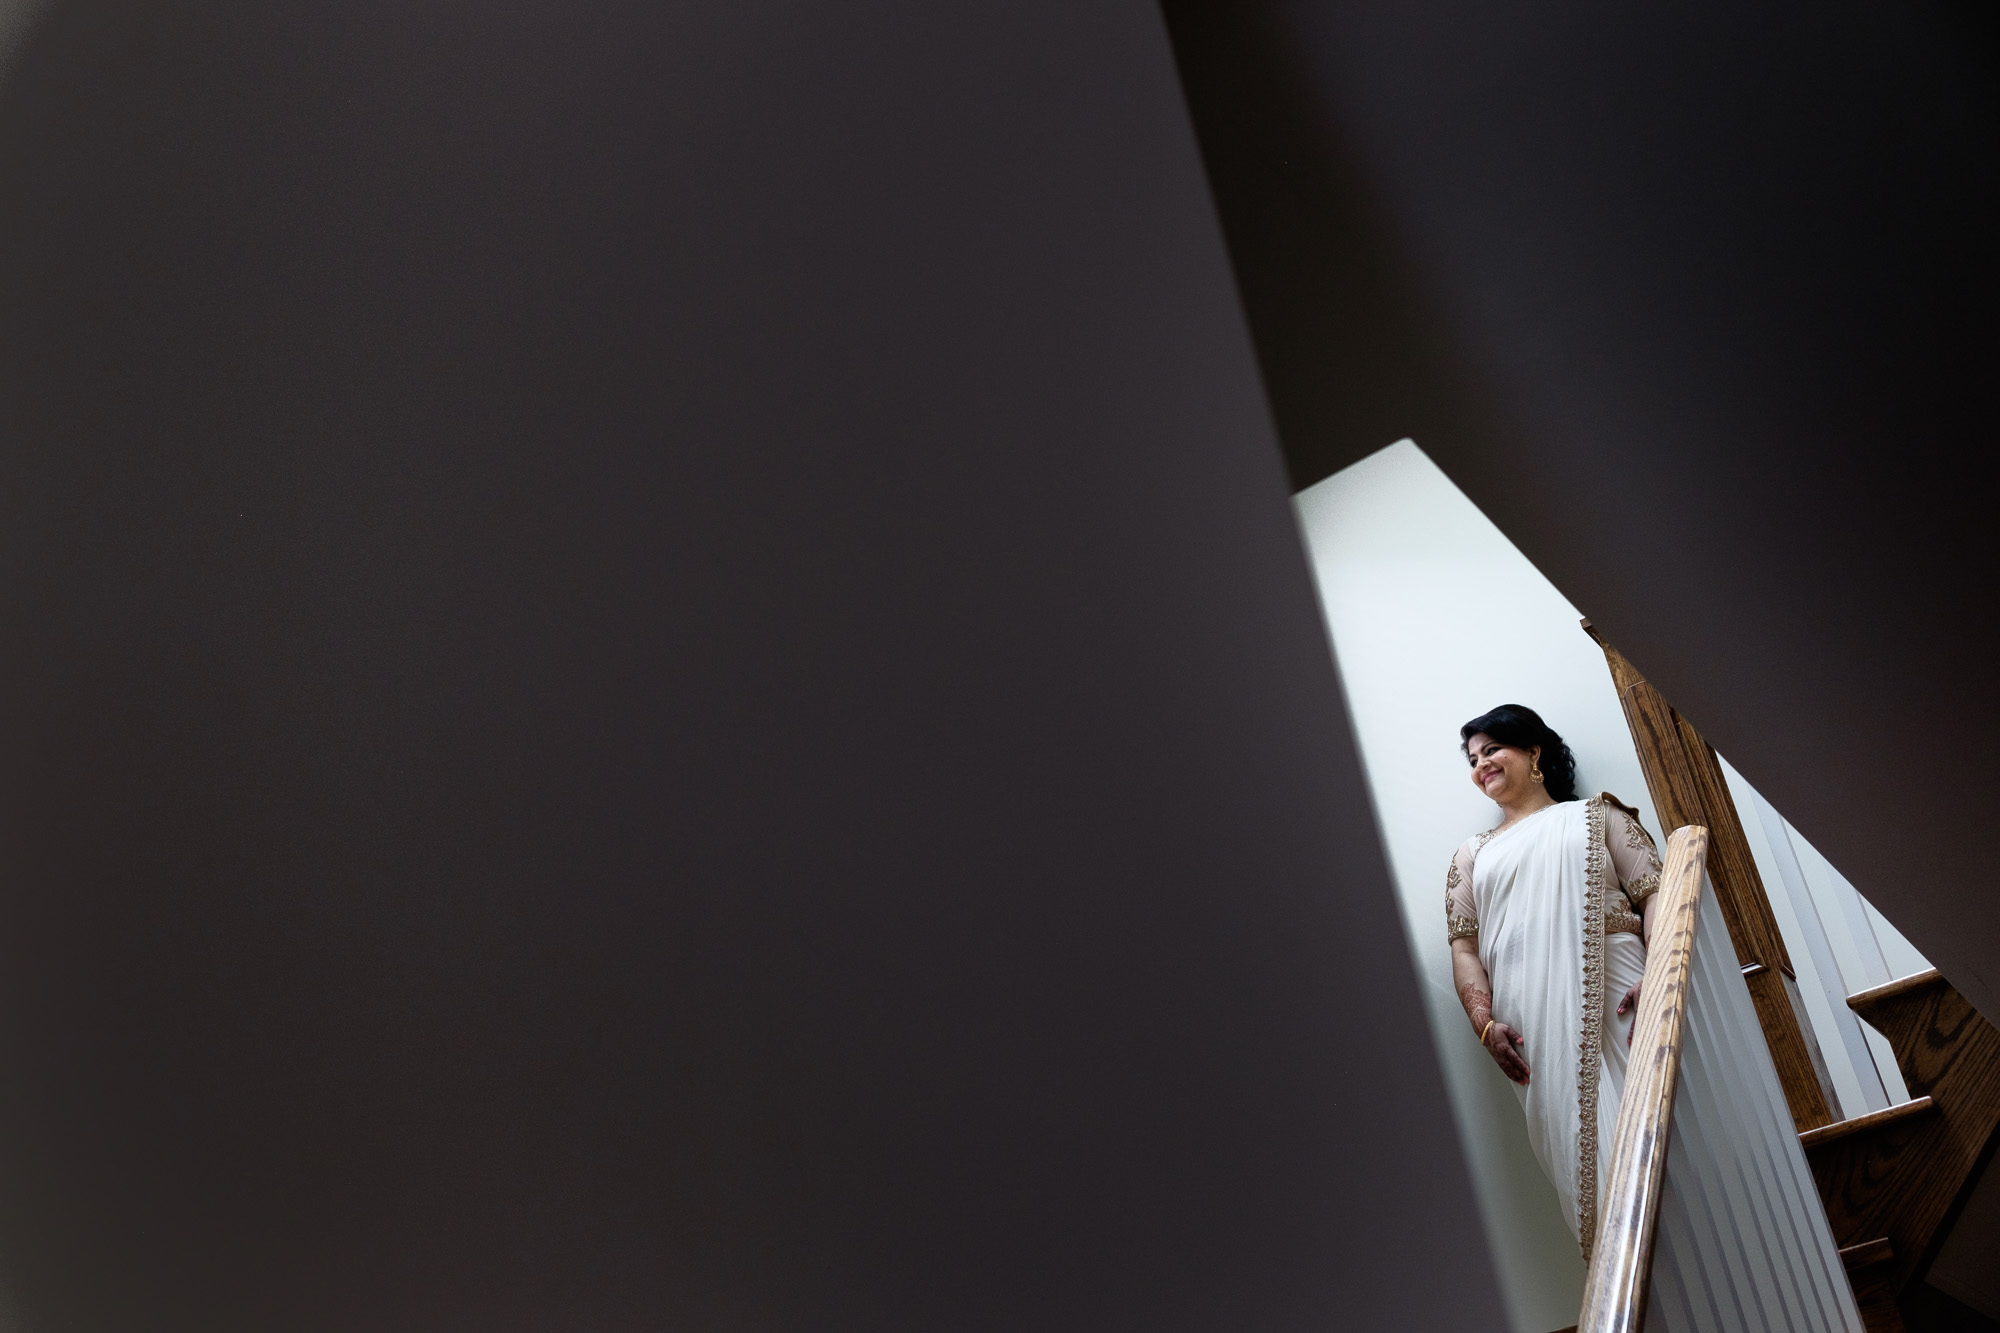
[1619,916]
[1461,916]
[1633,855]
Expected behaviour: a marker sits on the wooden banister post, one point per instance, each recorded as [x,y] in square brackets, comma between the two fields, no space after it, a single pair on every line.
[1621,1266]
[1686,782]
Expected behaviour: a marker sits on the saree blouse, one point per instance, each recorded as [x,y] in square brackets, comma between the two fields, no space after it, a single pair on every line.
[1635,862]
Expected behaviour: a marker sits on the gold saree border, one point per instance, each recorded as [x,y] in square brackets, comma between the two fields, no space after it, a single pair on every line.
[1590,1049]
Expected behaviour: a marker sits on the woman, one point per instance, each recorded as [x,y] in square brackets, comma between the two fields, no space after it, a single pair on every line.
[1547,914]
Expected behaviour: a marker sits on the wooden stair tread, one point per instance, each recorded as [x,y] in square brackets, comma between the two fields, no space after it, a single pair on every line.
[1868,1252]
[1891,989]
[1869,1272]
[1861,1124]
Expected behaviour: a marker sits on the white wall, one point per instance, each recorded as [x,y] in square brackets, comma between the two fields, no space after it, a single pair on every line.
[1839,944]
[1435,618]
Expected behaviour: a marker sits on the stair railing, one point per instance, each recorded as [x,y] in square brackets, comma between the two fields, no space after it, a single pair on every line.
[1621,1266]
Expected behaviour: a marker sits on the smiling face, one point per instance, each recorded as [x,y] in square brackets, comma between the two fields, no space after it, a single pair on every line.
[1501,771]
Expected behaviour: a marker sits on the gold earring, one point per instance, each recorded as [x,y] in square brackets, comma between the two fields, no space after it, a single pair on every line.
[1534,770]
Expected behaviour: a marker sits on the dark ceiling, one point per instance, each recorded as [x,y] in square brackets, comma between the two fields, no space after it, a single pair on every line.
[1353,355]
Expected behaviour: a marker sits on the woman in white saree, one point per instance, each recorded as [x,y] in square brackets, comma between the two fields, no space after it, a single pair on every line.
[1547,915]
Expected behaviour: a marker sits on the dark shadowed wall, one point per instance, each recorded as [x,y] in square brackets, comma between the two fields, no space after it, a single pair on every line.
[654,673]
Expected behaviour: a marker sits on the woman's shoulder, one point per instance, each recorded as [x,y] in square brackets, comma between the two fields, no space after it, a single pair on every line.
[1463,854]
[1468,851]
[1616,812]
[1605,798]
[1618,815]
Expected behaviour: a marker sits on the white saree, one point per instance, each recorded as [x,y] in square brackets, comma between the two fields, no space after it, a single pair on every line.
[1743,1241]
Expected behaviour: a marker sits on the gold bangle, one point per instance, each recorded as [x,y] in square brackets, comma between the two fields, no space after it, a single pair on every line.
[1483,1031]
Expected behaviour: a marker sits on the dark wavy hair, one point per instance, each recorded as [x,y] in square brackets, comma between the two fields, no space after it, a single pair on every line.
[1522,727]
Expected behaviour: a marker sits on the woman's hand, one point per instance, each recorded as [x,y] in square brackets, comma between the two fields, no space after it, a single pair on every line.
[1501,1044]
[1630,1004]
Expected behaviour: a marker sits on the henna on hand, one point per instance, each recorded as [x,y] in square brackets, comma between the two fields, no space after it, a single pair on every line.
[1478,1004]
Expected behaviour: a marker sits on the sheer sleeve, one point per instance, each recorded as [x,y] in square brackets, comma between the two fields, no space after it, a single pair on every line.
[1633,855]
[1461,915]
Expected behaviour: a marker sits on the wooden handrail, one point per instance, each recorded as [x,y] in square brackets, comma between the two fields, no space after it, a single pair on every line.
[1614,1294]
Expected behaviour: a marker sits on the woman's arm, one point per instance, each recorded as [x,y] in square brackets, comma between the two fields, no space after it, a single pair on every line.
[1637,862]
[1630,1003]
[1475,992]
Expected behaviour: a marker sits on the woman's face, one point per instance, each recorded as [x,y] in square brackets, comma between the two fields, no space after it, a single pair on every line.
[1500,771]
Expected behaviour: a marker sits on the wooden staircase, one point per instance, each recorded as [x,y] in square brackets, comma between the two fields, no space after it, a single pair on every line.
[1894,1181]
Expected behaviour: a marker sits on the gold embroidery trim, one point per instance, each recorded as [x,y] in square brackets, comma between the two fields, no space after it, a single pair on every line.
[1617,922]
[1459,927]
[1589,1049]
[1619,916]
[1642,888]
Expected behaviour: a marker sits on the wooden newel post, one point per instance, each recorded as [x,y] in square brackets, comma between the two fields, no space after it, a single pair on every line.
[1685,780]
[1621,1268]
